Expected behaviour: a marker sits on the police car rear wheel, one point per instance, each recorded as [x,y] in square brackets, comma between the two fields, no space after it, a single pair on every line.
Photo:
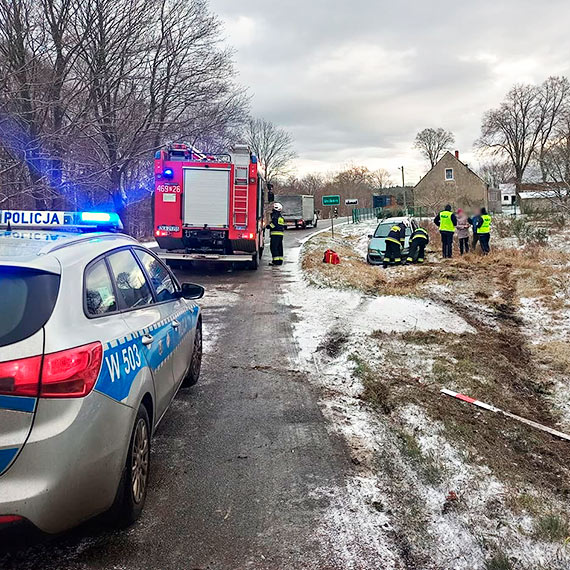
[196,362]
[132,490]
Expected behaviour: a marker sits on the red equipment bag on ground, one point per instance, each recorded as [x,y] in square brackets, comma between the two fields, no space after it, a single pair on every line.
[331,257]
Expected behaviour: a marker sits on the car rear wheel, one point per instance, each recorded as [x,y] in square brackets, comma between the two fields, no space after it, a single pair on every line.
[193,373]
[134,483]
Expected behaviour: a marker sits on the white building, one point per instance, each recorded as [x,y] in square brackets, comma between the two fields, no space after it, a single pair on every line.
[508,193]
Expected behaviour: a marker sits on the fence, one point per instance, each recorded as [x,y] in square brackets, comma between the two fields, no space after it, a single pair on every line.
[359,214]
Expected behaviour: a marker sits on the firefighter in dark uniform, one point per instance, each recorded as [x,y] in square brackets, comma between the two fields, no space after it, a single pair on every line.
[394,242]
[276,231]
[418,242]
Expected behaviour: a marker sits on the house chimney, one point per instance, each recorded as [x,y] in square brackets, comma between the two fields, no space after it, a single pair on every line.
[457,154]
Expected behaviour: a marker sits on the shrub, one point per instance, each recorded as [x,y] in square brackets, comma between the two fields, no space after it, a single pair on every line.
[552,527]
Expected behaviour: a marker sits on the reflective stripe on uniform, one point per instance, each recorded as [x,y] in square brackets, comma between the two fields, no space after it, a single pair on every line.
[393,240]
[277,233]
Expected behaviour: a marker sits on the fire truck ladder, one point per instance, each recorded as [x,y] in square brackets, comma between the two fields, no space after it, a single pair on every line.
[241,196]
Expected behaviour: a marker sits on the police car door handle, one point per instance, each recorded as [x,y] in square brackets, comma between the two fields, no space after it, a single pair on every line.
[147,339]
[175,324]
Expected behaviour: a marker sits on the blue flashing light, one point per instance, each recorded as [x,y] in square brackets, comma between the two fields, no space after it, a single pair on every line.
[95,217]
[168,173]
[73,221]
[100,220]
[253,159]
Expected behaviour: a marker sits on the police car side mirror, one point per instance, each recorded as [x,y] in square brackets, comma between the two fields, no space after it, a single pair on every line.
[191,291]
[370,236]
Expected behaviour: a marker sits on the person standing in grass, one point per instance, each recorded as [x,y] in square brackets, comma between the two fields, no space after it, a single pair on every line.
[484,230]
[474,221]
[463,231]
[446,221]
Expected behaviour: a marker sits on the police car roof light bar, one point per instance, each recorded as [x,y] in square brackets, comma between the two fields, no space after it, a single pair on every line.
[67,221]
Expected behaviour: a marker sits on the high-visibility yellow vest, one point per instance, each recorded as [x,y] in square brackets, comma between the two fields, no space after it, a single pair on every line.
[486,227]
[445,223]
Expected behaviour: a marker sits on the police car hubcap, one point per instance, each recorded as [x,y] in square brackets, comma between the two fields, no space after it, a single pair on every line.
[140,461]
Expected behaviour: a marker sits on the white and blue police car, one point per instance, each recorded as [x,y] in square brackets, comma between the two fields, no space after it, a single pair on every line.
[96,338]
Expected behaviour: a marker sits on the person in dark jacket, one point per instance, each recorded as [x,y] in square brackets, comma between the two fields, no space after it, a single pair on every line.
[446,221]
[276,231]
[484,230]
[394,242]
[474,221]
[418,242]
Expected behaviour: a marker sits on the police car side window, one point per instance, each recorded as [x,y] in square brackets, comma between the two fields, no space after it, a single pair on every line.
[160,278]
[99,295]
[132,287]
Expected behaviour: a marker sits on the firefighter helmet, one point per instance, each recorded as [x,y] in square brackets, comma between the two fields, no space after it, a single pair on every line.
[278,207]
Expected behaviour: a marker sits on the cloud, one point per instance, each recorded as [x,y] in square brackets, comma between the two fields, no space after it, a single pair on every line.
[355,81]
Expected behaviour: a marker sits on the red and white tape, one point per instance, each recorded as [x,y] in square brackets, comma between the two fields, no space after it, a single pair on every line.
[490,408]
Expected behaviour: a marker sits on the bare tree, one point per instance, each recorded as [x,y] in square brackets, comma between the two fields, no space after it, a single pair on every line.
[89,89]
[555,164]
[495,172]
[554,97]
[432,143]
[273,147]
[381,178]
[514,130]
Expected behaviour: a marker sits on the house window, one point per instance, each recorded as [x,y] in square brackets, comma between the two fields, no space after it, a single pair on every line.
[505,198]
[449,173]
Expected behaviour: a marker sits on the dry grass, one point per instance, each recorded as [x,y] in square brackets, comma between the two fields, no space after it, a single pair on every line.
[534,272]
[555,354]
[355,273]
[497,364]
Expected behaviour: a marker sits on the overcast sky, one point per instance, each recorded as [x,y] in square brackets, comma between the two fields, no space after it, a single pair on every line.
[354,80]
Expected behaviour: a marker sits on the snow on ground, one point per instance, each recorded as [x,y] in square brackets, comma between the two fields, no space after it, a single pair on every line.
[216,302]
[479,523]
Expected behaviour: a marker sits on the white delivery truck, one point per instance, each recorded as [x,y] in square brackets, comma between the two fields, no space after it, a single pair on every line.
[298,211]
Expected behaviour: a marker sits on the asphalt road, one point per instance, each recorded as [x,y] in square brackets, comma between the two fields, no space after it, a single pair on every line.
[240,460]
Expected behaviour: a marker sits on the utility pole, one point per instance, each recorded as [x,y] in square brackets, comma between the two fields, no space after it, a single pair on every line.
[404,189]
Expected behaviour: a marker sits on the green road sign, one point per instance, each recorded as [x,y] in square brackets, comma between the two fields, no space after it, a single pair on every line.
[333,200]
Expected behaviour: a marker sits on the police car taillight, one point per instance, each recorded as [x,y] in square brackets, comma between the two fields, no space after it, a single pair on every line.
[71,373]
[20,377]
[67,374]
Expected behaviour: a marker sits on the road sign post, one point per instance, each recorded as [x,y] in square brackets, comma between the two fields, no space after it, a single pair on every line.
[332,200]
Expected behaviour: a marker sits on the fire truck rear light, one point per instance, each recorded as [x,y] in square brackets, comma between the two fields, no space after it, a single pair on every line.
[168,173]
[9,519]
[71,373]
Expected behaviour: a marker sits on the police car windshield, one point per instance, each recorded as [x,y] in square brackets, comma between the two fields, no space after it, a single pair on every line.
[27,301]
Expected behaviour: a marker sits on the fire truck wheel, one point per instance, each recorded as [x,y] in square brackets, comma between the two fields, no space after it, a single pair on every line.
[254,263]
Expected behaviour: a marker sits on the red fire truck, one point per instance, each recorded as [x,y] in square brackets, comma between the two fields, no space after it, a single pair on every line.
[208,207]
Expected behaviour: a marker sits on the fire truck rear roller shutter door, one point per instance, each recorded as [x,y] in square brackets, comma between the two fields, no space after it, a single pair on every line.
[206,197]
